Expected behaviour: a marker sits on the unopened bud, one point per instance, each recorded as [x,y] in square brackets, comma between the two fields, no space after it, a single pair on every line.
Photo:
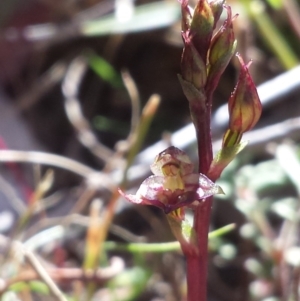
[222,48]
[244,104]
[186,15]
[193,67]
[202,26]
[217,9]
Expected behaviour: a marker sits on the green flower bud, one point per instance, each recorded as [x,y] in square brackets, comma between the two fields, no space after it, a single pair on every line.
[202,27]
[217,9]
[244,104]
[193,67]
[222,48]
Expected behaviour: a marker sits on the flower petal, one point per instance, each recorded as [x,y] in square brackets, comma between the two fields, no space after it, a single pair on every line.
[138,199]
[203,186]
[151,188]
[132,198]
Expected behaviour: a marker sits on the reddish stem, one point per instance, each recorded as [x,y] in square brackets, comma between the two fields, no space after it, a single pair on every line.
[197,262]
[201,114]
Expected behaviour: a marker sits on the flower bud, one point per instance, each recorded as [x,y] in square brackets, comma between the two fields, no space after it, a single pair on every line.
[186,15]
[192,65]
[222,48]
[244,104]
[202,27]
[217,9]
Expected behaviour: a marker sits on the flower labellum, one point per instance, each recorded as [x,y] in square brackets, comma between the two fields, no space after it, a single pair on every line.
[173,185]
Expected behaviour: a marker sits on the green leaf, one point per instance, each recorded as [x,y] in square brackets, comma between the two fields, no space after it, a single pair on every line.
[39,287]
[19,286]
[34,286]
[133,281]
[276,4]
[223,158]
[162,246]
[104,70]
[146,17]
[102,123]
[286,208]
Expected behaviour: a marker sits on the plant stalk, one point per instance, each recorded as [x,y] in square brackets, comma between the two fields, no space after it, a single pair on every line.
[197,262]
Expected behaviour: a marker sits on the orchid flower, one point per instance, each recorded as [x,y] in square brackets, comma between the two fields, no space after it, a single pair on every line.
[174,184]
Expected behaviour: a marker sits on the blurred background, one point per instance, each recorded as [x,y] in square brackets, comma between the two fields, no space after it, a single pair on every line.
[89,88]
